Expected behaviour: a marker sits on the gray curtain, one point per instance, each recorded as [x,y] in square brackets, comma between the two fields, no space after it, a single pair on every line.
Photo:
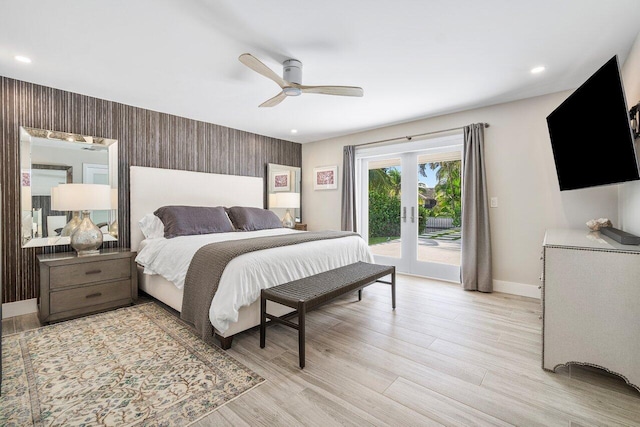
[476,239]
[349,188]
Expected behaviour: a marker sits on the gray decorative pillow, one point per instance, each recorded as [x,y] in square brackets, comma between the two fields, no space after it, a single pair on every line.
[252,219]
[190,220]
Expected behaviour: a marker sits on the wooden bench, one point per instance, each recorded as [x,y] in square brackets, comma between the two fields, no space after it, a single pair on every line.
[310,292]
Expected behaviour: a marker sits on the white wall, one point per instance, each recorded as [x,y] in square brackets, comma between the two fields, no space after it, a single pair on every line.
[520,172]
[630,192]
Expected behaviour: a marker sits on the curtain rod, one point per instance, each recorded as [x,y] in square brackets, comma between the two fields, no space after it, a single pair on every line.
[410,137]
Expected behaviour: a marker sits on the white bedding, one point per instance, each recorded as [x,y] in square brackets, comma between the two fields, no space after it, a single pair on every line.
[245,275]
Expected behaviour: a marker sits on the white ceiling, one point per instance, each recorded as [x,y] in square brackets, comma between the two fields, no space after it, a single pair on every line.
[414,58]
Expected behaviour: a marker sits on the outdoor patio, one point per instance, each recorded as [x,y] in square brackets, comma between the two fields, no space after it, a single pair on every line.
[441,246]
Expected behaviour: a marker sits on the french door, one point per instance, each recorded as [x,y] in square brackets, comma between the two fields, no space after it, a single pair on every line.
[410,206]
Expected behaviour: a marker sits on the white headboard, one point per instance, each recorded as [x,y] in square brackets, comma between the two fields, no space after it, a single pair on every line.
[152,188]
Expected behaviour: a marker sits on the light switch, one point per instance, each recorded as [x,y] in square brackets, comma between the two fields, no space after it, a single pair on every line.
[494,202]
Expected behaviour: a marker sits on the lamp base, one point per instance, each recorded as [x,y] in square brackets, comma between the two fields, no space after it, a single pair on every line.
[113,228]
[87,237]
[288,221]
[73,223]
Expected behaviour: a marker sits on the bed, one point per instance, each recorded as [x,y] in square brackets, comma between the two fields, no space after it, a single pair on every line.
[235,307]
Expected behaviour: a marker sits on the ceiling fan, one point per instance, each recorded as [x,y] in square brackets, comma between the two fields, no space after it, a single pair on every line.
[291,80]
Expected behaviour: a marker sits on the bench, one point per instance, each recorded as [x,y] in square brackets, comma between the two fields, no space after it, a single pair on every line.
[310,292]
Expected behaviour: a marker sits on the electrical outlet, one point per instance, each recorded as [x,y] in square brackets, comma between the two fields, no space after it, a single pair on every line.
[494,202]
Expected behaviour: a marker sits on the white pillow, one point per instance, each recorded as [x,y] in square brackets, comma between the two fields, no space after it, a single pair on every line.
[151,226]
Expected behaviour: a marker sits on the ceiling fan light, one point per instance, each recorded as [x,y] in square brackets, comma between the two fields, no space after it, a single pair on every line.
[291,91]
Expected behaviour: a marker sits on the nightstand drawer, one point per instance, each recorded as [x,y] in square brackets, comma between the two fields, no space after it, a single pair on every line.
[89,272]
[86,296]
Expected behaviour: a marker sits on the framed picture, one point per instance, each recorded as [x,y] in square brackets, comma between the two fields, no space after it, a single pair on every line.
[325,178]
[281,181]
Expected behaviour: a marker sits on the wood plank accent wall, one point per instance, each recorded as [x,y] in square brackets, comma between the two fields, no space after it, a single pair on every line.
[145,138]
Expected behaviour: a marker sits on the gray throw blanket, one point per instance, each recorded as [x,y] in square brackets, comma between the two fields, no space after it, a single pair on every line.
[207,265]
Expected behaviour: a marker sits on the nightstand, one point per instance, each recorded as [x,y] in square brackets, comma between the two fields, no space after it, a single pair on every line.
[300,226]
[72,286]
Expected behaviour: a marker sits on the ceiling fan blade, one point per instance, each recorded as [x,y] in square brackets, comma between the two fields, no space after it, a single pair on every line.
[272,102]
[257,66]
[332,90]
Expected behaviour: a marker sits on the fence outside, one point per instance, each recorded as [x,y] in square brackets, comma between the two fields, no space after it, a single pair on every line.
[439,223]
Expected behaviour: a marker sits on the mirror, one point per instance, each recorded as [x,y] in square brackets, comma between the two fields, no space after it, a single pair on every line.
[283,192]
[49,158]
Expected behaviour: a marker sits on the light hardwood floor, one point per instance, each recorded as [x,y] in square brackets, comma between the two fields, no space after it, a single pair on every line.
[443,357]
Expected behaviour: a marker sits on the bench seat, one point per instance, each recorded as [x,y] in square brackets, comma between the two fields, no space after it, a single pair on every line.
[310,292]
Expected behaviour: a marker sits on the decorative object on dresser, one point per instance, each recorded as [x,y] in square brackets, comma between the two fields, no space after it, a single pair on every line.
[72,286]
[86,237]
[134,366]
[589,303]
[286,201]
[597,224]
[325,178]
[300,226]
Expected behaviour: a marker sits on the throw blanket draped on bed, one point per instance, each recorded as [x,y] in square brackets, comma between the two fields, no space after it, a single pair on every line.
[209,262]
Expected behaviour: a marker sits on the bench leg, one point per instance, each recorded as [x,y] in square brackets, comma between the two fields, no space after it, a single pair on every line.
[301,336]
[263,320]
[359,294]
[393,289]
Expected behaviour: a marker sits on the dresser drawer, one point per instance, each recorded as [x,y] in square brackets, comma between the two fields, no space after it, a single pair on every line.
[86,296]
[89,272]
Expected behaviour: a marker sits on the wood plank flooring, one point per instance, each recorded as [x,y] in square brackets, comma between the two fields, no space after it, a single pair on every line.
[443,357]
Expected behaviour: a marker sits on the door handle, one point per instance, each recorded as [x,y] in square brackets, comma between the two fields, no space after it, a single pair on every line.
[413,214]
[404,214]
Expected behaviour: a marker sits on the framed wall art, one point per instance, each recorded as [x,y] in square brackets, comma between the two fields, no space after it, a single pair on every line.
[281,181]
[325,178]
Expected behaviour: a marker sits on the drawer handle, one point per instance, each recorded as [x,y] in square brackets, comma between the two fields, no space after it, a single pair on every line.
[97,294]
[93,272]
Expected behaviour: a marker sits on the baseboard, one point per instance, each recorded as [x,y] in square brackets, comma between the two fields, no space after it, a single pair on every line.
[18,308]
[514,288]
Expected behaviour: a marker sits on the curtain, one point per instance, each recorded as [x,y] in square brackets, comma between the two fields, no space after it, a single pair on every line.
[476,240]
[349,188]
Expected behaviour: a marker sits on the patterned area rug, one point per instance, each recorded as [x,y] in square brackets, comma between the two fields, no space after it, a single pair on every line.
[133,366]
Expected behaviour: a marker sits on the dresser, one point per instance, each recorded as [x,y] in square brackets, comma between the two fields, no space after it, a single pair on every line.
[591,303]
[72,286]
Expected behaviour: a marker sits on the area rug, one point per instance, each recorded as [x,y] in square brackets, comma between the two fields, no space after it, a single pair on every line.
[129,367]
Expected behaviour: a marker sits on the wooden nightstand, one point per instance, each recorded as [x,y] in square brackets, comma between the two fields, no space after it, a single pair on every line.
[300,226]
[72,286]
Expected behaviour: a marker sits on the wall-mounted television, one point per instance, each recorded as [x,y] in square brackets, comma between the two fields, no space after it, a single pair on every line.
[591,134]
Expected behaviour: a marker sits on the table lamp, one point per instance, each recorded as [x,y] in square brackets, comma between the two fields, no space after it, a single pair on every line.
[288,201]
[86,238]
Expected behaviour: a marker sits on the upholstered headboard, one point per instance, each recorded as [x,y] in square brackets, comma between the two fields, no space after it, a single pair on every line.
[151,188]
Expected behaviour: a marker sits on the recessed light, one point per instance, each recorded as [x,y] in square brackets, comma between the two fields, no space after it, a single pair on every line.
[538,69]
[24,59]
[294,130]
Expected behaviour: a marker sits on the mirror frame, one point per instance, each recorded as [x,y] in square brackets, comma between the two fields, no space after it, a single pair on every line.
[295,185]
[26,169]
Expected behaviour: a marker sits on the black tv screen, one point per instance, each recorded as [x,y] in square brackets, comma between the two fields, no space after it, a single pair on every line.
[591,134]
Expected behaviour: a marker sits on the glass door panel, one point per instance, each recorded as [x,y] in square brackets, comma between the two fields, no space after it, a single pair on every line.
[384,201]
[440,208]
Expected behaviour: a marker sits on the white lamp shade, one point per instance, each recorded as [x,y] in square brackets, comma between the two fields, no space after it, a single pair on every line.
[114,198]
[83,197]
[286,200]
[26,198]
[54,199]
